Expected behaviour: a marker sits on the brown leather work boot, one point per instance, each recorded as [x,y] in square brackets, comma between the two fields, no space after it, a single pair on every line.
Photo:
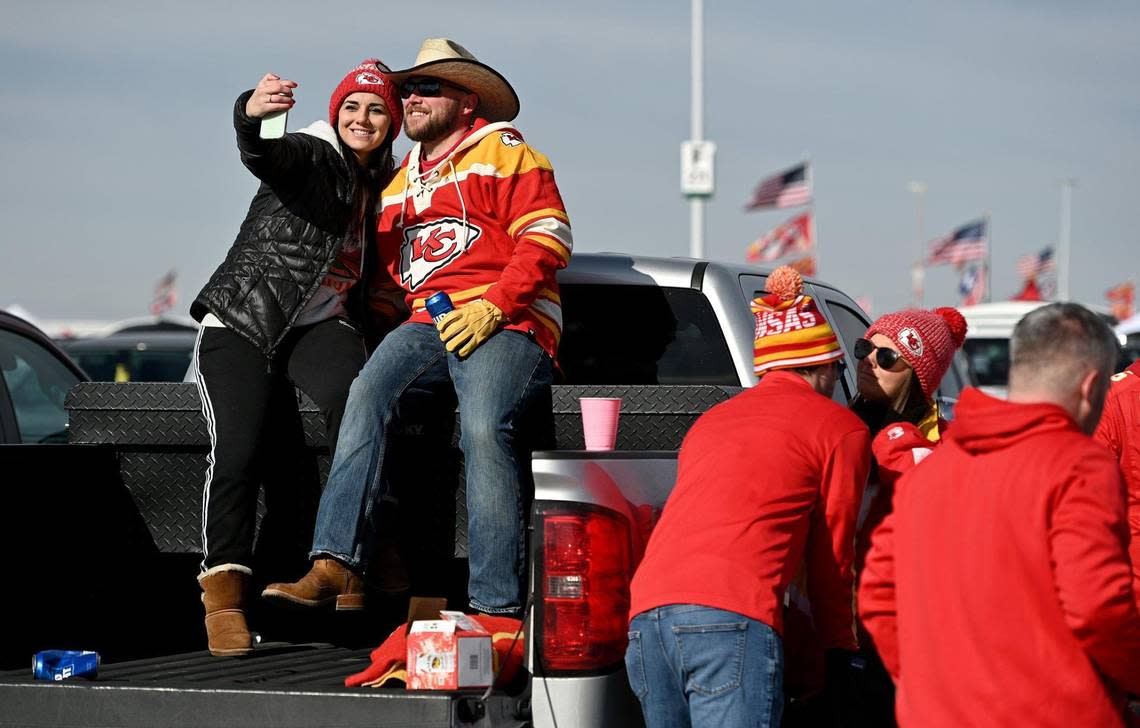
[328,581]
[223,594]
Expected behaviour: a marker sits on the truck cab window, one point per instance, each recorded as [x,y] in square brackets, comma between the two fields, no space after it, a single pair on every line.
[849,326]
[627,334]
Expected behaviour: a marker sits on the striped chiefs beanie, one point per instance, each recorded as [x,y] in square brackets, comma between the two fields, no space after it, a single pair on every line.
[926,339]
[790,330]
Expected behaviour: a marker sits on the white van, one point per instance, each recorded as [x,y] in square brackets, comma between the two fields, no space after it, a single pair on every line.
[987,340]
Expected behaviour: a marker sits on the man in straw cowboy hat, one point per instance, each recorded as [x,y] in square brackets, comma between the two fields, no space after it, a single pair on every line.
[767,480]
[474,212]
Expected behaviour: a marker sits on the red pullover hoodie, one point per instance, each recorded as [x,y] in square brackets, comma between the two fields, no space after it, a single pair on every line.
[1119,430]
[998,591]
[769,479]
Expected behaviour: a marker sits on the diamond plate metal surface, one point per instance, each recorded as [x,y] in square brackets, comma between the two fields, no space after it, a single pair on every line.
[156,413]
[162,438]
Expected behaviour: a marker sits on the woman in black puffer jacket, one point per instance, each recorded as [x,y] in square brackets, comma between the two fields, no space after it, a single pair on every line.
[287,308]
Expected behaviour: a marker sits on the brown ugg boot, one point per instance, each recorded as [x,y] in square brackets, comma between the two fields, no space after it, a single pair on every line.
[223,594]
[328,581]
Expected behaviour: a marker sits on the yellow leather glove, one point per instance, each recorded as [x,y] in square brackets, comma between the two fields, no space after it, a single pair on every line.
[468,326]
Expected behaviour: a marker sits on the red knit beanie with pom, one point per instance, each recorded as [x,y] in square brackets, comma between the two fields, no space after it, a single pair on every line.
[926,339]
[371,76]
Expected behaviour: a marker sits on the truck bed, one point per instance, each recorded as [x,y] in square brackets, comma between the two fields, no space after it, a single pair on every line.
[280,685]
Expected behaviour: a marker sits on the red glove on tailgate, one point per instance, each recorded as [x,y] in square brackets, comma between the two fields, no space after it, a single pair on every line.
[388,660]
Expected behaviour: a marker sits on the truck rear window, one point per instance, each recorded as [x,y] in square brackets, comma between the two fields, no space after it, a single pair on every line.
[623,334]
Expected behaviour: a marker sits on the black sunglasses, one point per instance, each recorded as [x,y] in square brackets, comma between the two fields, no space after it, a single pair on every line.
[884,357]
[425,87]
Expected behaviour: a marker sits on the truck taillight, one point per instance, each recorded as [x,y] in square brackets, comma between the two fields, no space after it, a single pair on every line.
[583,587]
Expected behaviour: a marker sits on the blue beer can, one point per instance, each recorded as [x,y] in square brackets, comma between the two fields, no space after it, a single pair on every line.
[438,306]
[59,665]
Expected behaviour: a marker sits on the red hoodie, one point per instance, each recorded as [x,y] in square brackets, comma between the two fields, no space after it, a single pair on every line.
[998,591]
[1119,429]
[766,480]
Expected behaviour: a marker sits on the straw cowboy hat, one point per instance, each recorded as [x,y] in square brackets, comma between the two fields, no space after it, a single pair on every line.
[448,61]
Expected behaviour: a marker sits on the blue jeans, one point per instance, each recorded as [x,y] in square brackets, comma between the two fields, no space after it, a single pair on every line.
[698,666]
[495,386]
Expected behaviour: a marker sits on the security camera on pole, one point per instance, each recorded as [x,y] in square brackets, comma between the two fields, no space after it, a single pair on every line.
[697,175]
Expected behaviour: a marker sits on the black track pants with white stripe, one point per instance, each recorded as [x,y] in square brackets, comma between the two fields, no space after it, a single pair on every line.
[256,438]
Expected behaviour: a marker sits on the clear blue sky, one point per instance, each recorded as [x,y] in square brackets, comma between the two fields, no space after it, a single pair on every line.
[119,164]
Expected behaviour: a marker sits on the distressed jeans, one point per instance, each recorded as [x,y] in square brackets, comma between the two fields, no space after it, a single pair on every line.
[698,666]
[495,386]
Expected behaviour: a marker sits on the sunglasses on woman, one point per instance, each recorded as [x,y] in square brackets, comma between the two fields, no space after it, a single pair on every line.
[425,87]
[884,357]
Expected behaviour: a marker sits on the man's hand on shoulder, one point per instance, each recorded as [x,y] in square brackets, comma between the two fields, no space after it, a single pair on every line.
[468,326]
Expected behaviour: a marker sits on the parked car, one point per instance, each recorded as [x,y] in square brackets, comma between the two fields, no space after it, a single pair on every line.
[36,376]
[135,354]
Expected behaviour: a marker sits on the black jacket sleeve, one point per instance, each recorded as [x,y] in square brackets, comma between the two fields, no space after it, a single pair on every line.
[276,162]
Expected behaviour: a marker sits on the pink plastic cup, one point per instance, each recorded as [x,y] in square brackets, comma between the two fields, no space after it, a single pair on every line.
[600,421]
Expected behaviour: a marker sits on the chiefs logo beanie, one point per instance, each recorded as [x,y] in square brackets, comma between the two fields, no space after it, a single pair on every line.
[371,77]
[791,331]
[926,339]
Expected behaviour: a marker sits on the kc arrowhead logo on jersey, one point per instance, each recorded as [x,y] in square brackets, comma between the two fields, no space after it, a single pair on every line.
[431,246]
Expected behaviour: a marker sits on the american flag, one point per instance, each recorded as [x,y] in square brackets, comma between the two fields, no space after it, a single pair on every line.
[784,189]
[964,244]
[972,286]
[1033,266]
[793,236]
[165,294]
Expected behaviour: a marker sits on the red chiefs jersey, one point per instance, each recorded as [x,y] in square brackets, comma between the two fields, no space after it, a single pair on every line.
[485,221]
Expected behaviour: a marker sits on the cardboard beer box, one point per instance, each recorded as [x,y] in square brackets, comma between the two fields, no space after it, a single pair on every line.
[450,653]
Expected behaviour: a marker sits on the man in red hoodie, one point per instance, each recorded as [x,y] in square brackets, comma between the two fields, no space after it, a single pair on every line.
[1119,430]
[765,481]
[998,591]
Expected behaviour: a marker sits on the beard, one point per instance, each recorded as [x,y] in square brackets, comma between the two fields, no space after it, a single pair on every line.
[437,125]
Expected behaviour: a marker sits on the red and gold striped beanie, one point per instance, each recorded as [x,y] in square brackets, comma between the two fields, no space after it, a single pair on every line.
[790,329]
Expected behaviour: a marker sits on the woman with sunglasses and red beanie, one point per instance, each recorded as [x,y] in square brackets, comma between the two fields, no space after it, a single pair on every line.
[901,360]
[287,308]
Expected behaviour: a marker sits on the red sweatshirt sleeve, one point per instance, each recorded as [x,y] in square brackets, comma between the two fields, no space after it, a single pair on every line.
[877,607]
[1108,430]
[831,541]
[531,206]
[1113,432]
[897,449]
[1088,540]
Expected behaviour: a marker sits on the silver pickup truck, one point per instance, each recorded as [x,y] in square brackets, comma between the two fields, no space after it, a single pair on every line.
[593,511]
[671,337]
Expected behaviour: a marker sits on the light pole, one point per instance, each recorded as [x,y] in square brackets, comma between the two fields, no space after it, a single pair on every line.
[697,176]
[918,274]
[1063,239]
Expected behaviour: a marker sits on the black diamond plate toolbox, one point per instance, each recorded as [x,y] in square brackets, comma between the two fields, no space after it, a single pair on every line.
[161,437]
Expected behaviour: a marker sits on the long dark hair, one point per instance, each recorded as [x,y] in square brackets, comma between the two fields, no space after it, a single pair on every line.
[368,180]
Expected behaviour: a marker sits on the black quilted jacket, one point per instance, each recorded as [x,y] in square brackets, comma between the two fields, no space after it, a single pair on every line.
[290,236]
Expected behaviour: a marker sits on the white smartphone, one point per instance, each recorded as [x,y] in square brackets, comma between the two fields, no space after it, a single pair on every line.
[273,125]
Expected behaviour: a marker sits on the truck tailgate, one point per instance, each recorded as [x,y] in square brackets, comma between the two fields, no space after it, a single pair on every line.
[281,685]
